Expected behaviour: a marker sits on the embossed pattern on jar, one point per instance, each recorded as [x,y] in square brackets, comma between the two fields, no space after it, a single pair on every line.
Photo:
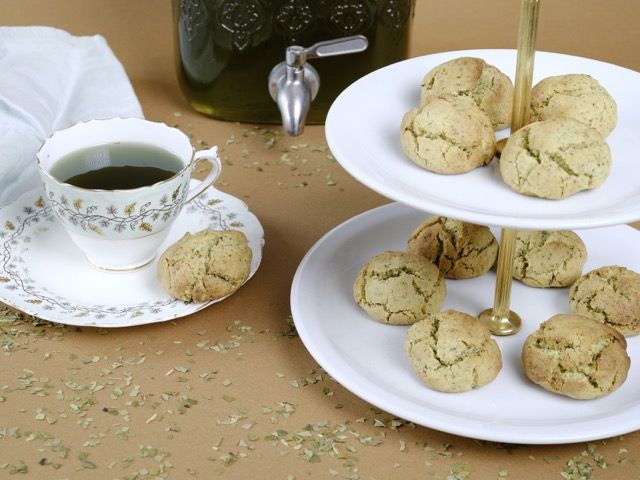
[226,49]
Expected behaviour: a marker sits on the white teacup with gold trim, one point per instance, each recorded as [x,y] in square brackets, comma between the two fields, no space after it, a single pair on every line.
[120,228]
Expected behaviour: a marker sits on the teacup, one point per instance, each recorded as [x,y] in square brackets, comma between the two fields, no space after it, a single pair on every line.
[121,229]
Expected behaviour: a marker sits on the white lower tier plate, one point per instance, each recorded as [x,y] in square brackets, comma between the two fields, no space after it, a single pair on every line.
[368,357]
[43,273]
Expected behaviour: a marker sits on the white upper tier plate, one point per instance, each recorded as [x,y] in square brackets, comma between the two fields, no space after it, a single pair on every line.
[363,132]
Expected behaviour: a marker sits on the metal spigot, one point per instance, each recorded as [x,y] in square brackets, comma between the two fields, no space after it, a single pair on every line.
[294,84]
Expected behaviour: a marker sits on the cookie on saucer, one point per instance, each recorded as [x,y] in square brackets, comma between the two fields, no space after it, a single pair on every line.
[205,266]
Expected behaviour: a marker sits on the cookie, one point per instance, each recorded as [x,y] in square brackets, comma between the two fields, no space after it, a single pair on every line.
[610,295]
[576,356]
[453,352]
[399,288]
[555,159]
[206,266]
[575,96]
[488,87]
[548,258]
[459,249]
[448,135]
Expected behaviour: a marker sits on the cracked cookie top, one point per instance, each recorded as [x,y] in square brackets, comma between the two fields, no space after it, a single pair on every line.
[576,96]
[575,356]
[399,288]
[610,295]
[448,135]
[459,249]
[555,159]
[206,266]
[453,352]
[548,258]
[489,88]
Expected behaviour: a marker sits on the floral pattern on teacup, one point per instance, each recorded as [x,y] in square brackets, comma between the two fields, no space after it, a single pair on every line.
[132,216]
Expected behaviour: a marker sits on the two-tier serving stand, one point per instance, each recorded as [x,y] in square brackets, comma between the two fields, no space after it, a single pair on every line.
[362,131]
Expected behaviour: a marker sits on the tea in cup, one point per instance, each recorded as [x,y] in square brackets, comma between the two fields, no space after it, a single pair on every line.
[117,185]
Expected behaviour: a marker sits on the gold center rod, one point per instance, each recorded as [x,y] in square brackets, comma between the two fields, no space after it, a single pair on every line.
[506,258]
[524,67]
[500,319]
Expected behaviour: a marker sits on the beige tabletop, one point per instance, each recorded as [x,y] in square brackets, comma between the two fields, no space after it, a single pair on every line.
[231,392]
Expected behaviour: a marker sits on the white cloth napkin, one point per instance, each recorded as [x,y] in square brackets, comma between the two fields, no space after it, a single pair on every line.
[50,80]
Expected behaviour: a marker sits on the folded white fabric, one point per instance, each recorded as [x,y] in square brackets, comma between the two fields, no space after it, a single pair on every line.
[50,80]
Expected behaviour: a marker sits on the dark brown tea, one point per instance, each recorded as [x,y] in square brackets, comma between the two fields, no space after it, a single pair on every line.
[116,166]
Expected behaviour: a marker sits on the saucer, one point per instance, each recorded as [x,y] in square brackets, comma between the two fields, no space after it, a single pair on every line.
[43,274]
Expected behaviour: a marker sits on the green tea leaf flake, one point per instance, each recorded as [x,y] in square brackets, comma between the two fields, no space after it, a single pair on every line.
[459,471]
[231,420]
[124,433]
[229,458]
[17,469]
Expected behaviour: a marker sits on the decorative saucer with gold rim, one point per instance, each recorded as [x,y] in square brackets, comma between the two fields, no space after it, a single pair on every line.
[42,272]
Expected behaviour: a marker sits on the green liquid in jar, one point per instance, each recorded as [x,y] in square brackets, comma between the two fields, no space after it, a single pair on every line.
[226,49]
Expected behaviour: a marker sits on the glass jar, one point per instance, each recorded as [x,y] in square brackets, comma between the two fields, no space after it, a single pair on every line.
[226,49]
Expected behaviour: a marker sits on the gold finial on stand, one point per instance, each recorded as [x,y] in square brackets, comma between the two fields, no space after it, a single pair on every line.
[500,319]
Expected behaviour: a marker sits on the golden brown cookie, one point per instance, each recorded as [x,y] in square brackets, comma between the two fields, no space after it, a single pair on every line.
[206,266]
[453,352]
[471,77]
[576,356]
[448,135]
[459,249]
[576,96]
[610,295]
[399,288]
[555,159]
[548,258]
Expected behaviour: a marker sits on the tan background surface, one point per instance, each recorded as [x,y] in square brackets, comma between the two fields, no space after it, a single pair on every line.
[89,403]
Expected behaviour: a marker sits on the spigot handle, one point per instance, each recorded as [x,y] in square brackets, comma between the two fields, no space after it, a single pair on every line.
[296,56]
[339,46]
